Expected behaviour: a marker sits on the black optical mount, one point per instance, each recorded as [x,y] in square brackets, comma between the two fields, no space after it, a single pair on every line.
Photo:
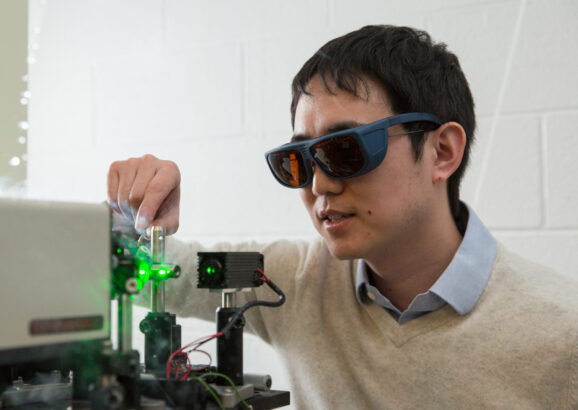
[230,273]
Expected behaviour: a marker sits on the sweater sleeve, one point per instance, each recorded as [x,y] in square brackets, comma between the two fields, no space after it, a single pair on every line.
[286,262]
[573,377]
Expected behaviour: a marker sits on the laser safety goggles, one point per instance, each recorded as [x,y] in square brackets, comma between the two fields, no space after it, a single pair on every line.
[343,154]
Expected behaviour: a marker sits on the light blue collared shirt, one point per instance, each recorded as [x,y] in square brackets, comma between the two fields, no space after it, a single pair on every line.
[460,285]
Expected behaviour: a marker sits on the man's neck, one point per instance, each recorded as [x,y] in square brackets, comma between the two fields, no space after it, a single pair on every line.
[412,268]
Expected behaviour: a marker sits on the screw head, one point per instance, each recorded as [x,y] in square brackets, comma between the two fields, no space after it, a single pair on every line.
[131,285]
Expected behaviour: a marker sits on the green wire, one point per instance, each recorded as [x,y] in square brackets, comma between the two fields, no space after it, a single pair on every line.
[210,390]
[230,382]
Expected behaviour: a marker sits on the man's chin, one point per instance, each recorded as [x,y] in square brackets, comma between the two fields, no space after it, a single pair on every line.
[342,252]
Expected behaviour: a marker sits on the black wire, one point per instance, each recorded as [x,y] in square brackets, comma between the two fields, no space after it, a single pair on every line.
[169,400]
[254,303]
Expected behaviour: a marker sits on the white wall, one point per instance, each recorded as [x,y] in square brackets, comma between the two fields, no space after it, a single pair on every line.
[206,83]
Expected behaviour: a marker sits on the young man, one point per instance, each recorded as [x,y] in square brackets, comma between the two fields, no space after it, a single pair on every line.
[408,302]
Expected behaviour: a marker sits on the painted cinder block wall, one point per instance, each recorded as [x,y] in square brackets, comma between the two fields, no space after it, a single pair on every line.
[207,84]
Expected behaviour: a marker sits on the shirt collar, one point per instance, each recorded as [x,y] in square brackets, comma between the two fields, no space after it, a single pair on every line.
[465,278]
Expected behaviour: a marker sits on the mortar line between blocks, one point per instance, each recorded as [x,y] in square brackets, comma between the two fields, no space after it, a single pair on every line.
[545,174]
[499,101]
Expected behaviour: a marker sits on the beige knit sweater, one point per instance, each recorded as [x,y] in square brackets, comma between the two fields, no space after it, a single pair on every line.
[517,349]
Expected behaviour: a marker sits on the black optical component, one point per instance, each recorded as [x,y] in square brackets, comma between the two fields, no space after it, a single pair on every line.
[229,270]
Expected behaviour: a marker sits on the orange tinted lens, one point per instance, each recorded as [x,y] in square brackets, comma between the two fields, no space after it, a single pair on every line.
[289,167]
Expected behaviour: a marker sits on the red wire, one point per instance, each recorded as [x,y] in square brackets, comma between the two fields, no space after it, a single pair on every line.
[170,363]
[197,343]
[188,366]
[265,278]
[183,362]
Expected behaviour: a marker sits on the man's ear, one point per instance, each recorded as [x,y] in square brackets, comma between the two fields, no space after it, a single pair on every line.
[449,141]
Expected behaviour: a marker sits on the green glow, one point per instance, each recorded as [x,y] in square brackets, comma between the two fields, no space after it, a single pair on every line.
[119,250]
[210,270]
[160,271]
[144,274]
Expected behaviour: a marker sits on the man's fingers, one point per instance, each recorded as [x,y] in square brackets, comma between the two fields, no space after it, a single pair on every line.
[160,203]
[168,222]
[168,215]
[127,173]
[138,194]
[145,191]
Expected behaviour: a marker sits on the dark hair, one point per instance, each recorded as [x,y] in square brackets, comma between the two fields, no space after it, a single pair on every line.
[417,74]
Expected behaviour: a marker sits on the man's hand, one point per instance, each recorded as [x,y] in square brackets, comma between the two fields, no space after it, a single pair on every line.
[144,192]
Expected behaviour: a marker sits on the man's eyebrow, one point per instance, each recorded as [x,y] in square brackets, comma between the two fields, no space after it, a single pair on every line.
[299,137]
[338,126]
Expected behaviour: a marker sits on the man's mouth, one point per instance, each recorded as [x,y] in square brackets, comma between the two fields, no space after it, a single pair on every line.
[334,216]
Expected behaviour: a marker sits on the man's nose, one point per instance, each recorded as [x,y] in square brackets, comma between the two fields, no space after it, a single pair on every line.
[321,184]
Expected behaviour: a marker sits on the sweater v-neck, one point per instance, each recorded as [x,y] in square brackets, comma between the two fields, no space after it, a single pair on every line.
[401,334]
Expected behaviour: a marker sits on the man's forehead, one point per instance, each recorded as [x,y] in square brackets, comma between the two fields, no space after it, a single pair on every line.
[324,110]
